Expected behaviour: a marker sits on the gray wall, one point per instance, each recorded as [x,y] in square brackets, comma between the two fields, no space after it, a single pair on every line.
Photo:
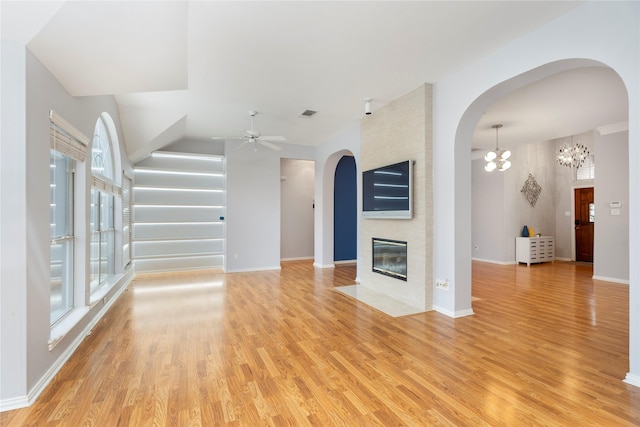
[297,204]
[500,209]
[564,204]
[488,214]
[27,363]
[611,247]
[253,205]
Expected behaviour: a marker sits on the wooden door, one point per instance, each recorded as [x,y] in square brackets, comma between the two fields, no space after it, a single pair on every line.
[584,223]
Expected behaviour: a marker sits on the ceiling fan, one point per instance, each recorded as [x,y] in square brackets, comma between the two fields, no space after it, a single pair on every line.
[253,137]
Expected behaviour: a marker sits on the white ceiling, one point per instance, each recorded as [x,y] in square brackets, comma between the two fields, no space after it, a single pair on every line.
[194,69]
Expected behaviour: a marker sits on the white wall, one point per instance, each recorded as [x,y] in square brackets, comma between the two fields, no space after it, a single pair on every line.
[297,208]
[595,31]
[13,225]
[179,230]
[327,157]
[253,205]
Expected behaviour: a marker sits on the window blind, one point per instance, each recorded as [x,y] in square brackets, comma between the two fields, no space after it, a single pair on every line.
[65,138]
[106,186]
[126,219]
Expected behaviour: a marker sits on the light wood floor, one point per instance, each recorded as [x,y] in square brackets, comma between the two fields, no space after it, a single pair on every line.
[547,346]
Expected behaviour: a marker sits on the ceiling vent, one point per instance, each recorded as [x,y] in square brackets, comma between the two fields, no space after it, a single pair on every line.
[308,113]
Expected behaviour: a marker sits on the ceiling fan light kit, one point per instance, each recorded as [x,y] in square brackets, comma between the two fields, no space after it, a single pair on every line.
[497,159]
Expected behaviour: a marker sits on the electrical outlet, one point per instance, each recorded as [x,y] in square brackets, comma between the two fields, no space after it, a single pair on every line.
[442,284]
[476,246]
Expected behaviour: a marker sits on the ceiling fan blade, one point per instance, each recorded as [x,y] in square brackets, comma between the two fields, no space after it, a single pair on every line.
[226,137]
[270,145]
[244,143]
[273,138]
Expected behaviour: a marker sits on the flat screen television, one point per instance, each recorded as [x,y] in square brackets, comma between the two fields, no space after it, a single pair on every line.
[387,191]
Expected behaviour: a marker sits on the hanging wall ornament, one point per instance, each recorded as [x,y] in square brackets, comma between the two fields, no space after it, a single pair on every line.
[531,190]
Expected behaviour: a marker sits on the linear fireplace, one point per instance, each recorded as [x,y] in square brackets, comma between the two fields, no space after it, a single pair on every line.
[390,258]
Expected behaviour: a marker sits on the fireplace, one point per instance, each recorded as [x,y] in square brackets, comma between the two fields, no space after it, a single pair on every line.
[390,258]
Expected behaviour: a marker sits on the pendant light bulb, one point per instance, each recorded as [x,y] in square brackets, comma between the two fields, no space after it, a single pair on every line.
[497,159]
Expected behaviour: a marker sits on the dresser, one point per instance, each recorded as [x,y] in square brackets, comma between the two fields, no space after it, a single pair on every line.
[535,249]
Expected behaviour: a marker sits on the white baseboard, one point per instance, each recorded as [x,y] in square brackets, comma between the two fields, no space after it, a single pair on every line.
[15,403]
[454,314]
[632,379]
[30,398]
[346,262]
[304,258]
[251,270]
[610,279]
[493,261]
[324,266]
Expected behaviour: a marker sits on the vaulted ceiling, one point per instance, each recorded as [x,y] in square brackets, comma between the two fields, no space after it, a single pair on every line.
[194,69]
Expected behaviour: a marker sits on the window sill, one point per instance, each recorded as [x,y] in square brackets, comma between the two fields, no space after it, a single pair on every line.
[67,323]
[62,328]
[103,290]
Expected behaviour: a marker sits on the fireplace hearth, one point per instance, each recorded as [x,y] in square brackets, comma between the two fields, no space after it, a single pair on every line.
[390,258]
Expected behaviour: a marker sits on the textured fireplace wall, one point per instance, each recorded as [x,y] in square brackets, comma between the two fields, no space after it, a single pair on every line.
[399,131]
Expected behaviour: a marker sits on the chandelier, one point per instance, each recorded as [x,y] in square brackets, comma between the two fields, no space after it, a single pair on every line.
[572,155]
[497,159]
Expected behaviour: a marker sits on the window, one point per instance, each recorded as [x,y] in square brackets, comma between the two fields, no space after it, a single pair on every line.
[61,170]
[103,191]
[587,169]
[102,238]
[67,147]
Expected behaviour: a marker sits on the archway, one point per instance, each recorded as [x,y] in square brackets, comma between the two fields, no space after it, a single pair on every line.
[325,185]
[462,185]
[345,217]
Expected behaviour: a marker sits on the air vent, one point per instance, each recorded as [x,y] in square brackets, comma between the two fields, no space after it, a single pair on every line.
[308,113]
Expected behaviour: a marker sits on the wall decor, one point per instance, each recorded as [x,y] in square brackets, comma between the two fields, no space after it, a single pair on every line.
[531,190]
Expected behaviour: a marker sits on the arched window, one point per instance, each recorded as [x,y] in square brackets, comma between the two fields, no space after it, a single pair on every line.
[101,156]
[103,192]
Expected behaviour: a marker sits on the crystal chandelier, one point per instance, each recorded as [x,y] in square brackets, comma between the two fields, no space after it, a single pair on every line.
[572,155]
[497,159]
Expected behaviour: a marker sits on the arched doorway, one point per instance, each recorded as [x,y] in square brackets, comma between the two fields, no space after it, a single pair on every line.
[324,212]
[462,184]
[345,211]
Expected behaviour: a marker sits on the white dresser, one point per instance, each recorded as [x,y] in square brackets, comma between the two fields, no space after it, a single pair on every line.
[535,249]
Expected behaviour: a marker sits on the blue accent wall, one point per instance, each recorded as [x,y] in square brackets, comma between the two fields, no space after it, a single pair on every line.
[345,210]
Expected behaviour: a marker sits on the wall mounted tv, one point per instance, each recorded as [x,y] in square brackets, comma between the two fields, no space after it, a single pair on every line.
[387,191]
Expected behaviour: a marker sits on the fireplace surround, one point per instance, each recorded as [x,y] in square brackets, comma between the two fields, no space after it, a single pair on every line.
[389,258]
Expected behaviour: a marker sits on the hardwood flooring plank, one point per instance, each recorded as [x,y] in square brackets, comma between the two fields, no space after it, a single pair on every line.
[547,345]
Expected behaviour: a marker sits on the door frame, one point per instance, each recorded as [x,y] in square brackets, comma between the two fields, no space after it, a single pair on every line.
[587,184]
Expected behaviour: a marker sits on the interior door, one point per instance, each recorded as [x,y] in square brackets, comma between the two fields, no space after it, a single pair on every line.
[584,223]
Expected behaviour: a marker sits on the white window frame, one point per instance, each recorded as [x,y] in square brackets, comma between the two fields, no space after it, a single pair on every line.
[62,240]
[103,188]
[67,141]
